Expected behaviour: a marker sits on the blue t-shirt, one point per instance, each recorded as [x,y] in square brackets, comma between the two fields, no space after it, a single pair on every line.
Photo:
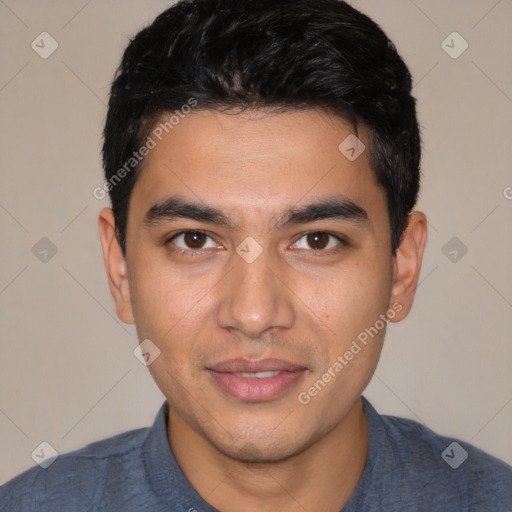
[409,468]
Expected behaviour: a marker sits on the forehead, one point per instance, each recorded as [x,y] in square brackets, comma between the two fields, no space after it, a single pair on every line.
[254,165]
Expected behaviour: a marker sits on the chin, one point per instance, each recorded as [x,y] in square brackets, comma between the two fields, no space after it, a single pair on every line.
[260,449]
[251,453]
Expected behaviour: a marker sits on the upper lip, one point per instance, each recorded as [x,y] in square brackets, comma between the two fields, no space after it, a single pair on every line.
[241,365]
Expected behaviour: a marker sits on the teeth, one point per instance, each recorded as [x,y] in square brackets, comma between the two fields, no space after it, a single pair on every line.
[257,375]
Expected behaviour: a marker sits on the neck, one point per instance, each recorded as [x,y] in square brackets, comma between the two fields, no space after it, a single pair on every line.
[322,477]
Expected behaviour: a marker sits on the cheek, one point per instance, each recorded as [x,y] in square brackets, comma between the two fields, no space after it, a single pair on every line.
[352,296]
[352,309]
[161,298]
[172,308]
[350,302]
[169,310]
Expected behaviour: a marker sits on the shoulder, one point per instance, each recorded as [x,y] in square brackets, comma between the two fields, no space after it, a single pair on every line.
[77,476]
[448,468]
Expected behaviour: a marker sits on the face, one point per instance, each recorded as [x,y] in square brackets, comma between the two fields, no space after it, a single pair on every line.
[258,255]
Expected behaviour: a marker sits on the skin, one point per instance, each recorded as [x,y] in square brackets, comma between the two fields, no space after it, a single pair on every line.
[300,302]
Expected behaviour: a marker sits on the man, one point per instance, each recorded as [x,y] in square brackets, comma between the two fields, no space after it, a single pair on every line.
[262,160]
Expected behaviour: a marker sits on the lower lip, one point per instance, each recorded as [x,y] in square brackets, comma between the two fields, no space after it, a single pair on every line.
[255,390]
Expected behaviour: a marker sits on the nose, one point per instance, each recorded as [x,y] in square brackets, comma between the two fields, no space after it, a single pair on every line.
[254,299]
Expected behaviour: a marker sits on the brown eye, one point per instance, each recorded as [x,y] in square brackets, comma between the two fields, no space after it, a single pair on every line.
[318,240]
[194,239]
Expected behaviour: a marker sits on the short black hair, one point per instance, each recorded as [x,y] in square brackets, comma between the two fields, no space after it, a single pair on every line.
[288,54]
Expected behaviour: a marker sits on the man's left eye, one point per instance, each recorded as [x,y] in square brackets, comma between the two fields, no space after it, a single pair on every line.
[318,241]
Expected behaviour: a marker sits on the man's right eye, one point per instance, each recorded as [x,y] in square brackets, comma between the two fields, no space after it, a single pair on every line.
[190,241]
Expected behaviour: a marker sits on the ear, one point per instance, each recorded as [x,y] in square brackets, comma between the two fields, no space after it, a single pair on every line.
[115,265]
[407,264]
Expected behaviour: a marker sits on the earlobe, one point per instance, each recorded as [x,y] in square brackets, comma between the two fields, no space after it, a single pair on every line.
[115,266]
[407,264]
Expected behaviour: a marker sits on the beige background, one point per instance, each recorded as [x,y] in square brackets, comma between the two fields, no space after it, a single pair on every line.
[68,375]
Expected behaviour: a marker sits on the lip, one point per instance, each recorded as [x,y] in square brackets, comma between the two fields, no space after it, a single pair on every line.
[255,389]
[240,365]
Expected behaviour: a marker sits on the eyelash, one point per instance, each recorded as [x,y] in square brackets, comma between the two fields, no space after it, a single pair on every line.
[197,252]
[319,252]
[186,252]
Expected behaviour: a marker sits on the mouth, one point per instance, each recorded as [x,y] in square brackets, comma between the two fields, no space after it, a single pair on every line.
[255,381]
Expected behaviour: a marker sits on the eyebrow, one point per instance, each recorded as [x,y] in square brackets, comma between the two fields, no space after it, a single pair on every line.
[338,207]
[175,207]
